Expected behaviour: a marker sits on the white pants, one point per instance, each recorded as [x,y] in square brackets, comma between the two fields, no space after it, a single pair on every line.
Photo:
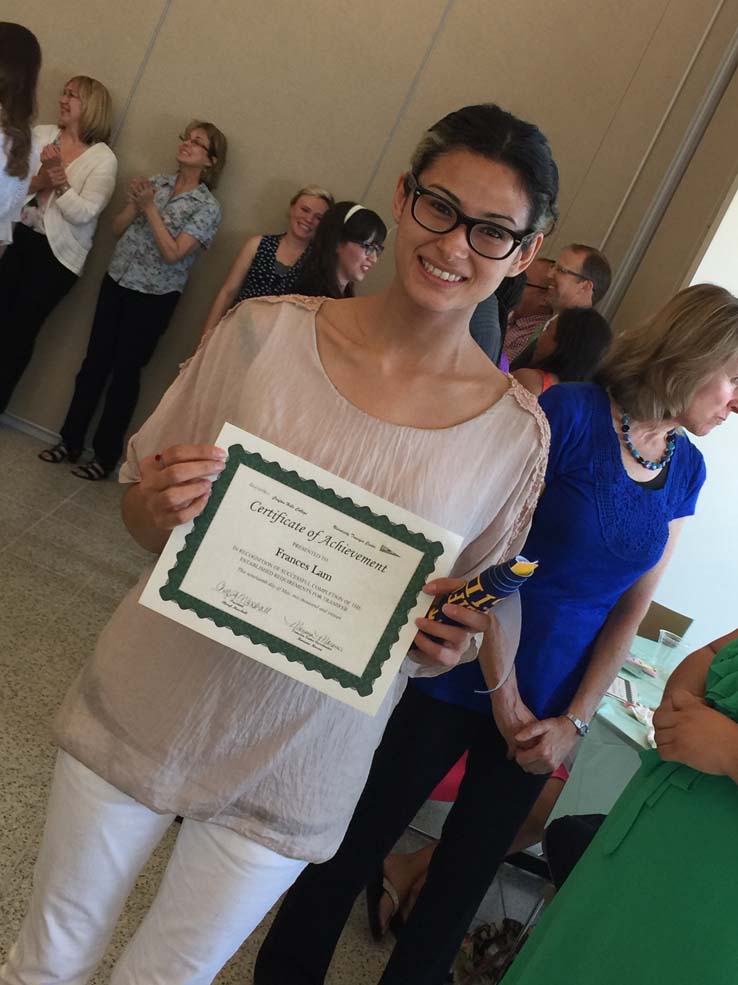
[216,888]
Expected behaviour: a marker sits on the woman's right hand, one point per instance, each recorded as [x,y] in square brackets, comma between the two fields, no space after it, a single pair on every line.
[175,484]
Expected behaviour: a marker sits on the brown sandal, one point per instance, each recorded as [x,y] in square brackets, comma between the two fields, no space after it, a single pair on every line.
[59,453]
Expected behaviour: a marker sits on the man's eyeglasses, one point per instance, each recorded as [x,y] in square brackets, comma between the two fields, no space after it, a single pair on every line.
[187,139]
[565,270]
[438,215]
[376,248]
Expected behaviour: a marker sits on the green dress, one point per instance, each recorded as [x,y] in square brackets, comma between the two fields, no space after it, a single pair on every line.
[653,899]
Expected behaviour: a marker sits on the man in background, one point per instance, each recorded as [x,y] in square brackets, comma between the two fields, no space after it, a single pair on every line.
[578,278]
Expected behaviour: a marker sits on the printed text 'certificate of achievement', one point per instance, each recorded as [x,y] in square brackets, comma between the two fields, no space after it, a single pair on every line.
[303,571]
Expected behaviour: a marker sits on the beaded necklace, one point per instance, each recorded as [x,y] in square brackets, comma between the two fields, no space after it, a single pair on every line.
[646,462]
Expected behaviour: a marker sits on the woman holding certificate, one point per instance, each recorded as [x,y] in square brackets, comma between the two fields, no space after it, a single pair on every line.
[389,392]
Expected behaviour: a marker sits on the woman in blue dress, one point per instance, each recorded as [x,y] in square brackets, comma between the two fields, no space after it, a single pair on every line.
[621,479]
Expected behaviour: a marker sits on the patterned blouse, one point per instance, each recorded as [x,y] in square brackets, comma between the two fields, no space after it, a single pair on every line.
[267,277]
[137,263]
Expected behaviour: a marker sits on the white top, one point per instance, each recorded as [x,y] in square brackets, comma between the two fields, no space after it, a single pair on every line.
[186,725]
[69,220]
[13,190]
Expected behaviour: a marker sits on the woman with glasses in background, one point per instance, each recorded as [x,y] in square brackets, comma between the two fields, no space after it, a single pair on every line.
[269,266]
[54,236]
[348,243]
[168,221]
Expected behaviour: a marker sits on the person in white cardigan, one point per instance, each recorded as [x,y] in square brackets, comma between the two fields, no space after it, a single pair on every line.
[20,62]
[51,242]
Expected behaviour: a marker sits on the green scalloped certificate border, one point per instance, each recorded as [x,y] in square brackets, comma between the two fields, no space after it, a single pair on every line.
[363,685]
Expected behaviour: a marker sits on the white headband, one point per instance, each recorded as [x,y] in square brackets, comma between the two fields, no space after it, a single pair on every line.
[352,211]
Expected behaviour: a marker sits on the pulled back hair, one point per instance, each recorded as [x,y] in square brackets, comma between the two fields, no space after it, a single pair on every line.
[583,337]
[654,369]
[20,62]
[490,131]
[319,273]
[314,191]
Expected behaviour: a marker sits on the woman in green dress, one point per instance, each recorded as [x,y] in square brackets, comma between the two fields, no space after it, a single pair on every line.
[652,899]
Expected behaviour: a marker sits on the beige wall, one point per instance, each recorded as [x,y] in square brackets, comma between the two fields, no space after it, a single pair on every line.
[338,93]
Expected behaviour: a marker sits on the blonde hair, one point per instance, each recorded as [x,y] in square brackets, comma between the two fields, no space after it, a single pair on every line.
[654,369]
[218,150]
[316,191]
[96,121]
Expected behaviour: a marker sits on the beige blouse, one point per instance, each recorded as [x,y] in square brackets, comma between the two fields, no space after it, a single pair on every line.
[189,726]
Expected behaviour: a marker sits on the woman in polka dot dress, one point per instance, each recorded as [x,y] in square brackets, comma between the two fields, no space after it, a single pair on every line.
[270,265]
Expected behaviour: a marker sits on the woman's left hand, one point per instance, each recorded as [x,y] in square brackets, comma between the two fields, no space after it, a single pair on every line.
[57,176]
[689,731]
[456,639]
[544,745]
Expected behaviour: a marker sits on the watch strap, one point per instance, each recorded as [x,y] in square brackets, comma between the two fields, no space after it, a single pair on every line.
[581,727]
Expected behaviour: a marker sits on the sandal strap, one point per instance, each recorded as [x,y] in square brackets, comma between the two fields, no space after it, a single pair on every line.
[93,471]
[58,453]
[392,893]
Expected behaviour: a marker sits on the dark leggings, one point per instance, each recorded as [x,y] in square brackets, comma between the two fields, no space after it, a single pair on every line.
[32,283]
[423,740]
[125,332]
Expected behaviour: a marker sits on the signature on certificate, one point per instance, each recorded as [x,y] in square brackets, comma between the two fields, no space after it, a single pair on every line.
[234,599]
[306,634]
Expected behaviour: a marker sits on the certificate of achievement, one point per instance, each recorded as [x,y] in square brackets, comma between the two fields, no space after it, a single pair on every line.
[303,571]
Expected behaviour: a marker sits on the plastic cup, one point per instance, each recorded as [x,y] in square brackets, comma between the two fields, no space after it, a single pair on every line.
[669,653]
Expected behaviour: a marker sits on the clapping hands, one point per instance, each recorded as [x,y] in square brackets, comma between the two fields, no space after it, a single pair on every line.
[141,193]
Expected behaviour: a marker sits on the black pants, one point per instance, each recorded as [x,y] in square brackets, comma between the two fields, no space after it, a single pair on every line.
[423,740]
[32,283]
[125,333]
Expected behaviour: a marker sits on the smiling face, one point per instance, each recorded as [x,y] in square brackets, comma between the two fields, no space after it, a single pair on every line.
[194,150]
[305,214]
[567,288]
[70,105]
[715,400]
[440,271]
[353,264]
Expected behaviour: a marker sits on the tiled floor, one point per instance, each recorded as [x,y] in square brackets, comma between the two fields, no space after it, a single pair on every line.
[65,561]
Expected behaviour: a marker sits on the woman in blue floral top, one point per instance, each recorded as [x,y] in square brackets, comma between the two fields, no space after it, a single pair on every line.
[168,221]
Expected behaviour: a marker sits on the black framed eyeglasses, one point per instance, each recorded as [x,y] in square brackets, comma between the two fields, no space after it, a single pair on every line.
[438,215]
[187,139]
[376,248]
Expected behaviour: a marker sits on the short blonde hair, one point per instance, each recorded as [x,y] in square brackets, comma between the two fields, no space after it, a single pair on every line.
[654,369]
[218,149]
[96,121]
[316,191]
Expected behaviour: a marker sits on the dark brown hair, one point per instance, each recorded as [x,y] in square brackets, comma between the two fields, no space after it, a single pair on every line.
[20,61]
[595,268]
[490,131]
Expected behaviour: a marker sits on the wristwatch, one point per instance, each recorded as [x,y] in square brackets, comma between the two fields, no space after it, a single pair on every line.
[581,727]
